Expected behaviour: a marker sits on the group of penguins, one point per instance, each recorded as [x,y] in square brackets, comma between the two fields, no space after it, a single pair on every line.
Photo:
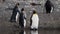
[34,19]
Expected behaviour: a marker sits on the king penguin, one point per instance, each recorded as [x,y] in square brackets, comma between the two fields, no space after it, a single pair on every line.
[22,18]
[34,21]
[15,13]
[49,6]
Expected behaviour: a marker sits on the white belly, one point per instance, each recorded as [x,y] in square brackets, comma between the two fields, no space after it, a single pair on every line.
[24,22]
[51,9]
[17,15]
[35,21]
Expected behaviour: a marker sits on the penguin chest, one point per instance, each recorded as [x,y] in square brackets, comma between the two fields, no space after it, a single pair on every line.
[51,9]
[24,22]
[17,15]
[35,21]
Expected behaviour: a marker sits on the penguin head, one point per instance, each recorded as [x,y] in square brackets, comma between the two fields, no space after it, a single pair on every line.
[22,9]
[34,12]
[17,4]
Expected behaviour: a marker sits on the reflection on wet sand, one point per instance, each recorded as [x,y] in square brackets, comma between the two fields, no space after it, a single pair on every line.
[34,31]
[28,32]
[37,32]
[22,32]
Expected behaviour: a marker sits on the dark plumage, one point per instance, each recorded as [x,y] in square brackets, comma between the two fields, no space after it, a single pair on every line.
[34,4]
[14,13]
[48,6]
[21,18]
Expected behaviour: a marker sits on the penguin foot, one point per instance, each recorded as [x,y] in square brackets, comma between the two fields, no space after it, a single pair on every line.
[33,29]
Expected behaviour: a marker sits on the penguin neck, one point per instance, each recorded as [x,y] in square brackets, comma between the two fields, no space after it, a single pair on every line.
[35,14]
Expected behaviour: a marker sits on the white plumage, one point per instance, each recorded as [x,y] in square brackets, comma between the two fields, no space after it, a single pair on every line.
[24,18]
[35,21]
[17,15]
[51,9]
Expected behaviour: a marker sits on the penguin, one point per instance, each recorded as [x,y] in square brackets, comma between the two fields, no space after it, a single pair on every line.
[49,6]
[34,21]
[15,13]
[22,18]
